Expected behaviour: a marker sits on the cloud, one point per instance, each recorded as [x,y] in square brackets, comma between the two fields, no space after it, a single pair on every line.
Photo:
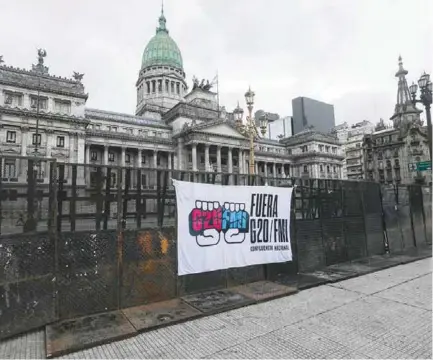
[339,51]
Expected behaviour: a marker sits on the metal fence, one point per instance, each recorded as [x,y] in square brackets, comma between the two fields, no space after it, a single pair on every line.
[78,239]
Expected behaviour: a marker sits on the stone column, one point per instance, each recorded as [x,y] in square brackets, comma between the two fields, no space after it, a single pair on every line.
[155,159]
[87,161]
[105,160]
[230,160]
[256,168]
[169,155]
[240,162]
[194,157]
[283,172]
[219,158]
[139,157]
[206,157]
[122,158]
[266,168]
[23,162]
[180,154]
[274,170]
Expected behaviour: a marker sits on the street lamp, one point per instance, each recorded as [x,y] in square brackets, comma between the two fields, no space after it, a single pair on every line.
[250,128]
[425,86]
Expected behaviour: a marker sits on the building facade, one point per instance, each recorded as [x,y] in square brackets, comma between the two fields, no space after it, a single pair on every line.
[351,137]
[312,113]
[391,153]
[174,127]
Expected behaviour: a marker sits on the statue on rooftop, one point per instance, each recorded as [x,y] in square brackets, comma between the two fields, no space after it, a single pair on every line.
[195,83]
[1,59]
[41,54]
[77,76]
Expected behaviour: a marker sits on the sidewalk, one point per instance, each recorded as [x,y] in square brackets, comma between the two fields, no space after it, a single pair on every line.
[386,314]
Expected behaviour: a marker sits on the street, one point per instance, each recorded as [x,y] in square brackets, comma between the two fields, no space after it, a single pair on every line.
[386,314]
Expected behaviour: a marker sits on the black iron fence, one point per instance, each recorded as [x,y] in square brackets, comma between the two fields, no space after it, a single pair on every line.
[78,239]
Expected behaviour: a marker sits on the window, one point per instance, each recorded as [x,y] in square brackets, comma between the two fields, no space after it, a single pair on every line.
[305,168]
[320,147]
[334,168]
[327,149]
[43,103]
[328,169]
[13,99]
[177,88]
[127,158]
[380,155]
[11,137]
[321,168]
[172,87]
[158,160]
[396,163]
[9,169]
[289,151]
[93,156]
[113,179]
[143,160]
[112,128]
[111,156]
[62,106]
[358,145]
[304,148]
[60,141]
[36,139]
[334,150]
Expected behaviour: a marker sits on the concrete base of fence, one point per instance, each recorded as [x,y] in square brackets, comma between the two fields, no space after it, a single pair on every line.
[77,334]
[81,333]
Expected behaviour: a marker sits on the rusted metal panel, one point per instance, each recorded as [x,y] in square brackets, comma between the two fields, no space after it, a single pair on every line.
[334,240]
[311,253]
[427,207]
[416,211]
[26,283]
[149,271]
[355,237]
[87,281]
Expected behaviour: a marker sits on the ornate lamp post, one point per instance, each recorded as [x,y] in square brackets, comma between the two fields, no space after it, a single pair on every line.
[250,128]
[425,86]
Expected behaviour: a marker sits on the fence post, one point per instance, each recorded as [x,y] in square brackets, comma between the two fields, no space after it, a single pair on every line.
[53,234]
[107,202]
[30,224]
[120,229]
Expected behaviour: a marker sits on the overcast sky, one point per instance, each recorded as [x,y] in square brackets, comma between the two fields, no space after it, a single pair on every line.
[340,51]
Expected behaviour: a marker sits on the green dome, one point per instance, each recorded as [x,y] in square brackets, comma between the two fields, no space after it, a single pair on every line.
[162,50]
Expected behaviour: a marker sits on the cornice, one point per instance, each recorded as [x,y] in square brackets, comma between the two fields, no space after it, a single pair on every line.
[122,136]
[44,115]
[130,122]
[315,154]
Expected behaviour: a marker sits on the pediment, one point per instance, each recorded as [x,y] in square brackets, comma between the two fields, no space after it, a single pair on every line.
[222,130]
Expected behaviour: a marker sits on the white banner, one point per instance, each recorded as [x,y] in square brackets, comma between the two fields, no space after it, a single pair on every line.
[221,227]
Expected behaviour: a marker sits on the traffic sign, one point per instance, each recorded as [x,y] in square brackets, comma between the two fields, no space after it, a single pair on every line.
[423,165]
